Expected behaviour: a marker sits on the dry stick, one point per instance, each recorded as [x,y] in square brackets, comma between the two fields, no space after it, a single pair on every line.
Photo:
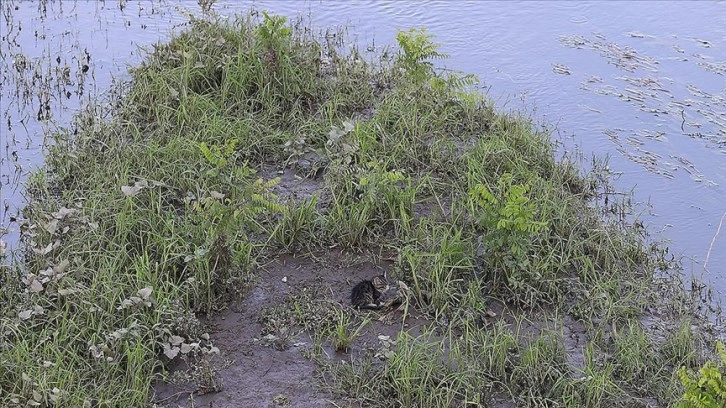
[708,255]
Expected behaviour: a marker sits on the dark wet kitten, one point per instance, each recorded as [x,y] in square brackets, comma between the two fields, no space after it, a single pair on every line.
[367,293]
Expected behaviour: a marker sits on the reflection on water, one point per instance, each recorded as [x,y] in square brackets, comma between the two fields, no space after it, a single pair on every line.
[642,82]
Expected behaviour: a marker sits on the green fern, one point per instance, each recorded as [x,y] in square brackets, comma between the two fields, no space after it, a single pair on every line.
[509,215]
[707,389]
[263,199]
[273,32]
[454,84]
[218,156]
[417,49]
[242,200]
[507,219]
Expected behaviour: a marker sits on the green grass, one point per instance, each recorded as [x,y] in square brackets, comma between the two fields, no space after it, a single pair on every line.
[156,212]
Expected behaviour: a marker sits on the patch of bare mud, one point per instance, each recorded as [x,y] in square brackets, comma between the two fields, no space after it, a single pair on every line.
[292,186]
[254,373]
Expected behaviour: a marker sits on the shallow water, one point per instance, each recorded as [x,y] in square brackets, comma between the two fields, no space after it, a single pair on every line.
[640,82]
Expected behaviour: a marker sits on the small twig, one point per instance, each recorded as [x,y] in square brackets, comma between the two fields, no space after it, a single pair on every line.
[718,230]
[174,396]
[683,115]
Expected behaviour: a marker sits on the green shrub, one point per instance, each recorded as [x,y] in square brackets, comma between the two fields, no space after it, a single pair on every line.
[706,389]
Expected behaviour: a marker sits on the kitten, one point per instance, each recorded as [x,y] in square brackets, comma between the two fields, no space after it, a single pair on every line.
[367,293]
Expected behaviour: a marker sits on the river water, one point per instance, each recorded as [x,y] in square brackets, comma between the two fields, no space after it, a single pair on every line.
[643,83]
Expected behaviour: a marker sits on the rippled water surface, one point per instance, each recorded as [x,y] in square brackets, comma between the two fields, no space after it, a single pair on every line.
[640,82]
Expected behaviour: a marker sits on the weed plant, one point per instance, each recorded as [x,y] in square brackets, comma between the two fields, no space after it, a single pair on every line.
[153,210]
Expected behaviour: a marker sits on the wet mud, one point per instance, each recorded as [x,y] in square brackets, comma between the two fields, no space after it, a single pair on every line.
[253,372]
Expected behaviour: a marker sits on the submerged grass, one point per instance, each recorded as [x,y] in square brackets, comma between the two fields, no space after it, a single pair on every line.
[154,211]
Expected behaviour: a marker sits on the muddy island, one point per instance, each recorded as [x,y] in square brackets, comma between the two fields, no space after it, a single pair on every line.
[194,238]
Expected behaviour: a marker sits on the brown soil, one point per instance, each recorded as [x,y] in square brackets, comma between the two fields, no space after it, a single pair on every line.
[255,374]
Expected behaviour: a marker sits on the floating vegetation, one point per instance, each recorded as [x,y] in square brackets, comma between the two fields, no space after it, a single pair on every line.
[561,69]
[655,95]
[625,58]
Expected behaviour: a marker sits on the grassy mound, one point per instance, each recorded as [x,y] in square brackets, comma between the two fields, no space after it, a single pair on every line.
[158,204]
